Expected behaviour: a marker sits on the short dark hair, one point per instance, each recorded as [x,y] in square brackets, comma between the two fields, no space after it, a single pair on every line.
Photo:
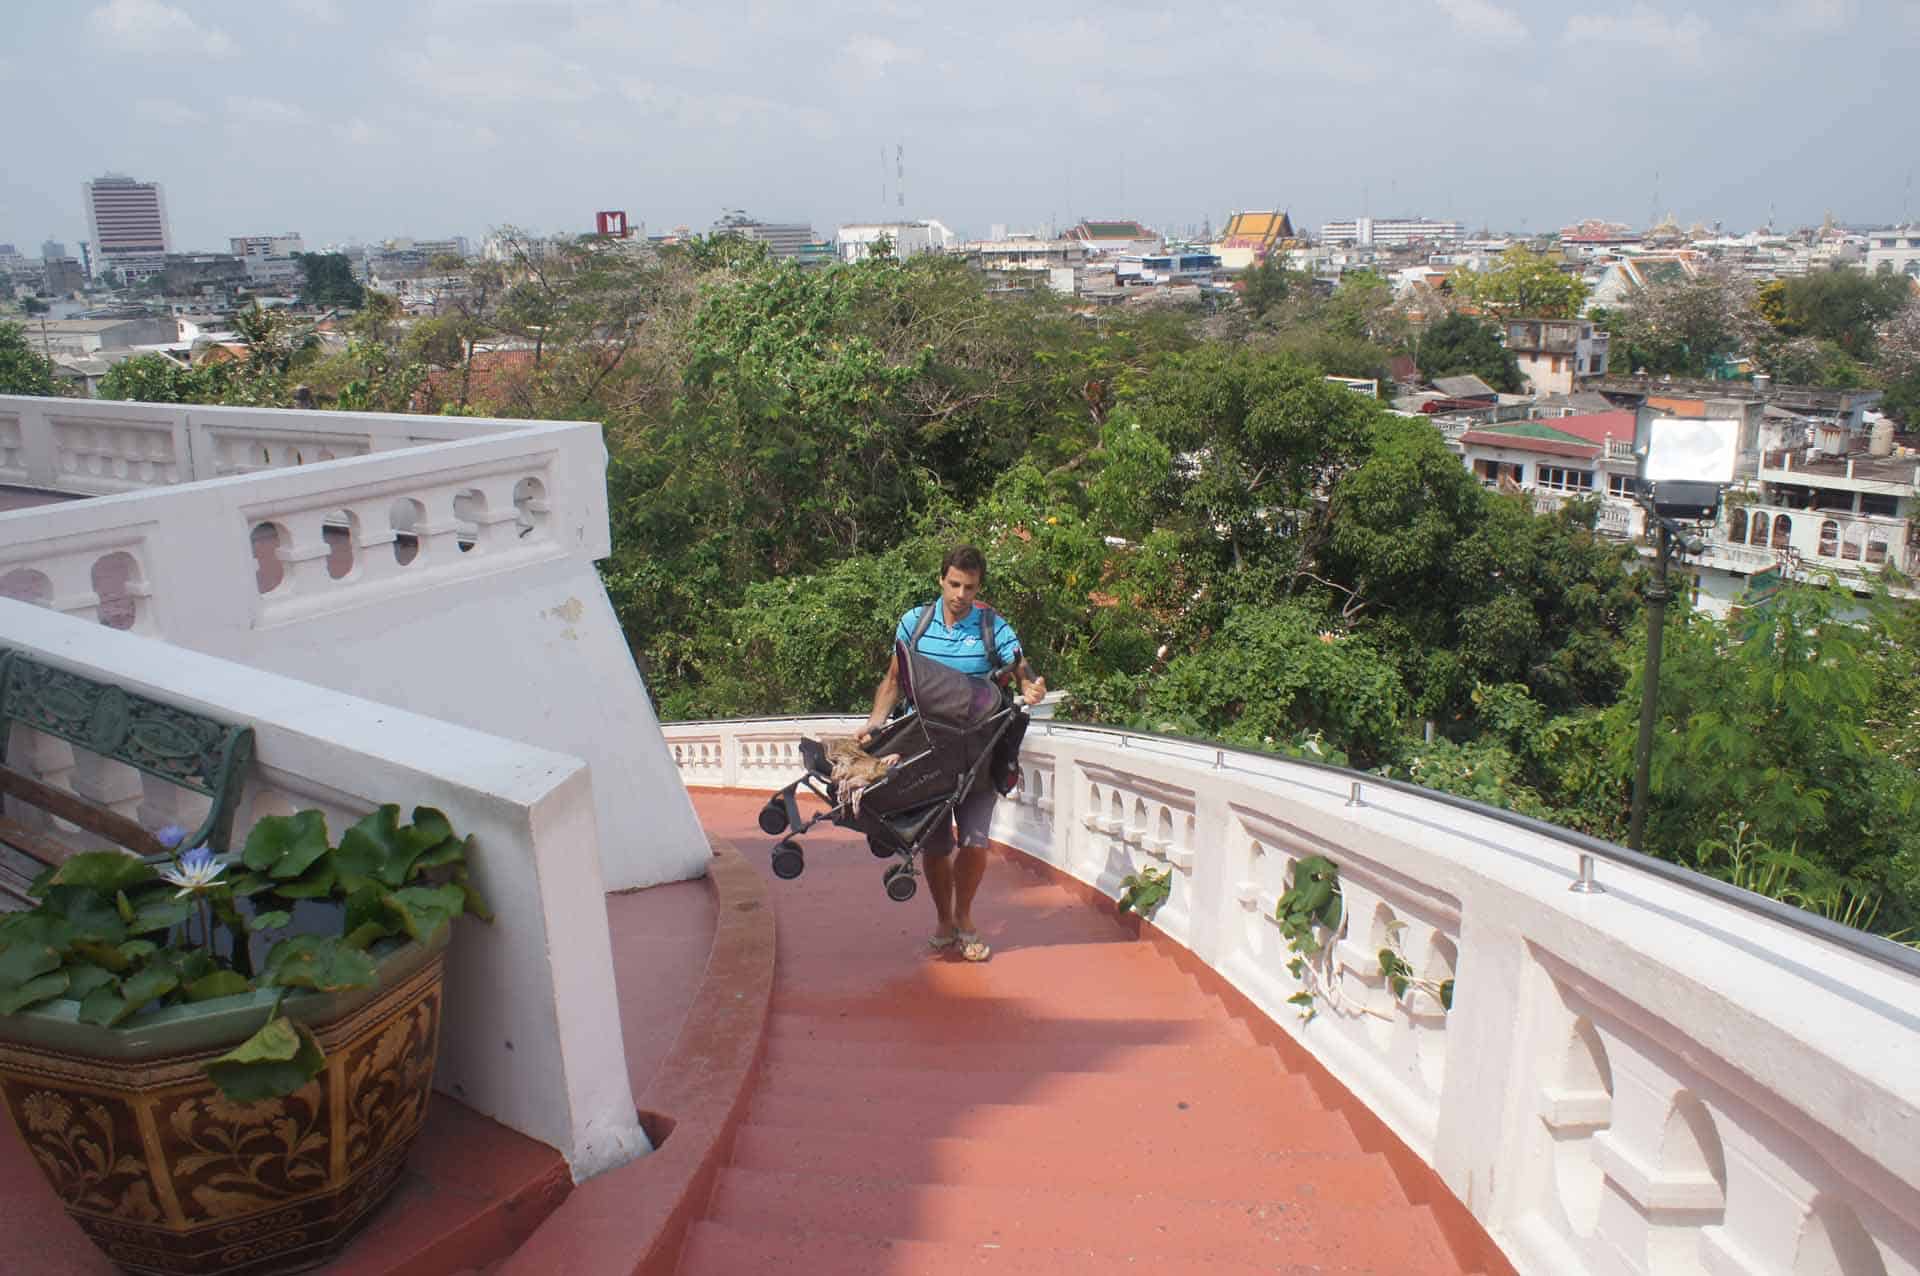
[967,559]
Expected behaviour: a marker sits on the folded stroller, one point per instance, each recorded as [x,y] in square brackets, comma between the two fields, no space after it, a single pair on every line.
[947,740]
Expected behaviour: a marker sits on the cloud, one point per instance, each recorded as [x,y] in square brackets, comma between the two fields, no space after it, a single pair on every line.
[732,112]
[357,132]
[503,74]
[325,12]
[148,26]
[166,112]
[1799,17]
[262,110]
[1681,37]
[876,54]
[1484,20]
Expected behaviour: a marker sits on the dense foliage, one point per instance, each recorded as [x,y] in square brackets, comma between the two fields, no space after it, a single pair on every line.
[23,370]
[1191,528]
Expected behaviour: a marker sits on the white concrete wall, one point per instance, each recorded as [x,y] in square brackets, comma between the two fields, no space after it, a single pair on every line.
[1649,1080]
[530,1033]
[512,635]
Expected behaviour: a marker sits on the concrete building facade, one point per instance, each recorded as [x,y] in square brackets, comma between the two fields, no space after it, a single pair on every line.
[127,224]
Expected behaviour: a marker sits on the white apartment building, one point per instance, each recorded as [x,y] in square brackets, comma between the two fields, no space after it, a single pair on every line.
[1390,232]
[127,222]
[1895,249]
[909,239]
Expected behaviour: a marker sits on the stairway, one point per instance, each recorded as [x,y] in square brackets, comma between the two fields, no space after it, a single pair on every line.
[1076,1105]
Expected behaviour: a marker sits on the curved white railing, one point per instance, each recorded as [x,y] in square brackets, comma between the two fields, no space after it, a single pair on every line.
[1662,1075]
[445,565]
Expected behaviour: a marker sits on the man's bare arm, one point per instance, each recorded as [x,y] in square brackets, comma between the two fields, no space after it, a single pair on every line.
[885,696]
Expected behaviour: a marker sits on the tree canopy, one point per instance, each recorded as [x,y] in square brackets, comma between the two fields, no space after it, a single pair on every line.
[328,280]
[1460,343]
[1523,283]
[23,370]
[1192,528]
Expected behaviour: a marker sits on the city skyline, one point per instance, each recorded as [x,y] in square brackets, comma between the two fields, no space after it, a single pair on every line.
[453,117]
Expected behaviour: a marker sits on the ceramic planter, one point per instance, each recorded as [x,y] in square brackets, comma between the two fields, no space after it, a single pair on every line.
[166,1175]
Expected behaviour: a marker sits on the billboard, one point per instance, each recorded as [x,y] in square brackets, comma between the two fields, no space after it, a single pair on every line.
[612,224]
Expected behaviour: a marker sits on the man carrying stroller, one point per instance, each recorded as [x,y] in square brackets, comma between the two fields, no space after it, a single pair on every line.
[952,635]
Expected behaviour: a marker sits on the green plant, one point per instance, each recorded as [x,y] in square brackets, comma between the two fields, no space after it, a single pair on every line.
[1145,891]
[1312,904]
[1399,974]
[123,937]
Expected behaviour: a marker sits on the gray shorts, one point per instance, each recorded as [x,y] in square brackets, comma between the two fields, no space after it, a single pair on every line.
[974,816]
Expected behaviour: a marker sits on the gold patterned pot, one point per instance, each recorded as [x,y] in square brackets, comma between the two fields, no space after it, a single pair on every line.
[166,1175]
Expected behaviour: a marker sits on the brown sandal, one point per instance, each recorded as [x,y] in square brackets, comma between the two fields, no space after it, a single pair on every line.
[972,947]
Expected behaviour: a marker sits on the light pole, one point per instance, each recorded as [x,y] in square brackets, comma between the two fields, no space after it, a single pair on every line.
[1684,467]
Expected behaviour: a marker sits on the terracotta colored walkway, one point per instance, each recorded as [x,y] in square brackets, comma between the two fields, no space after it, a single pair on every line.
[1077,1105]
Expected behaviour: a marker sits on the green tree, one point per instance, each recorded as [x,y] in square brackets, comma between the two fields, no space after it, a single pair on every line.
[1523,283]
[34,306]
[23,370]
[1771,720]
[1266,285]
[1253,438]
[1460,344]
[154,378]
[1844,307]
[1282,675]
[328,280]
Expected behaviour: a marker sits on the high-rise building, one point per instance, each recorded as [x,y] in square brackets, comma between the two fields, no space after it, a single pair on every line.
[127,222]
[52,250]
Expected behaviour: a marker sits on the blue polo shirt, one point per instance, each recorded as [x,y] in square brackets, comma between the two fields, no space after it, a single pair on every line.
[959,647]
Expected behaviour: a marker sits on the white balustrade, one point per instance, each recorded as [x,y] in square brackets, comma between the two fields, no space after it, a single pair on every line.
[1650,1079]
[443,565]
[529,996]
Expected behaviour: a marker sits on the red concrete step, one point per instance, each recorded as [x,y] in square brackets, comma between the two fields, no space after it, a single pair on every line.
[1273,1095]
[1209,1128]
[1108,1161]
[1058,1029]
[716,1250]
[1249,1231]
[1023,1055]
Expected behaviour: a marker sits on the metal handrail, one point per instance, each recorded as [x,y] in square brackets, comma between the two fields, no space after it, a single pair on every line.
[1875,948]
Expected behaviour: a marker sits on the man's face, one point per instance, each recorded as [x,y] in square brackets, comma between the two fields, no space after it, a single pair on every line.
[958,589]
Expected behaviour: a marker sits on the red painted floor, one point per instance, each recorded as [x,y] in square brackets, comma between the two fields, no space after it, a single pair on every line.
[1076,1105]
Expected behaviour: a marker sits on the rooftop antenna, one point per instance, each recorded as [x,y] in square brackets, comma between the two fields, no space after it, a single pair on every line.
[900,174]
[883,181]
[1653,209]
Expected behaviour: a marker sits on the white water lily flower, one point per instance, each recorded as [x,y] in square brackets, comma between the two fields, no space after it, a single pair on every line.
[197,870]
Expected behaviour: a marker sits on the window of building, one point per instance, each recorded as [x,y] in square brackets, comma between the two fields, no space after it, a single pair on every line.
[1782,531]
[1621,486]
[1759,536]
[1876,547]
[1737,526]
[1883,506]
[1829,538]
[1853,543]
[1564,480]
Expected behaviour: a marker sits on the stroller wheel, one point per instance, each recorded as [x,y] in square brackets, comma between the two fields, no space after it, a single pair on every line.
[773,817]
[879,852]
[788,860]
[901,883]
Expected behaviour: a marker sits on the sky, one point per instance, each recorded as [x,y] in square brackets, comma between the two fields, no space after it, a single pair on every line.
[360,120]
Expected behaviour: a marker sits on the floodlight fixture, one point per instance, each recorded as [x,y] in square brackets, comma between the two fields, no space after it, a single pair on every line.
[1685,464]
